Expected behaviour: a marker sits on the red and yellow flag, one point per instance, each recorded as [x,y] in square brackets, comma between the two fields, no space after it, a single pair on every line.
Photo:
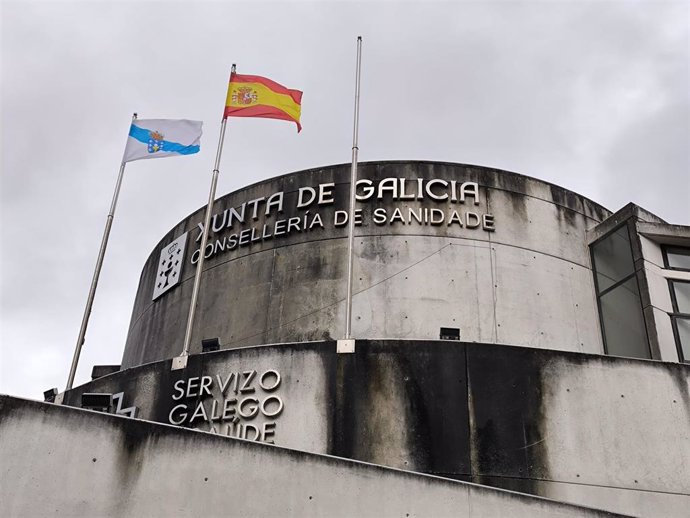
[255,96]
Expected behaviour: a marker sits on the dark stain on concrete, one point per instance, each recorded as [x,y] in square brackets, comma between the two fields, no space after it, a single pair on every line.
[430,377]
[344,413]
[9,408]
[135,437]
[506,181]
[329,365]
[568,204]
[436,392]
[518,202]
[506,391]
[166,381]
[680,374]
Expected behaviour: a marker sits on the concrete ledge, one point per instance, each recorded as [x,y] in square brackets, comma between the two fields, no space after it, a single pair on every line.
[70,462]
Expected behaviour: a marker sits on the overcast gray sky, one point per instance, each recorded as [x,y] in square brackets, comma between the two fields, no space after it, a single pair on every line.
[590,95]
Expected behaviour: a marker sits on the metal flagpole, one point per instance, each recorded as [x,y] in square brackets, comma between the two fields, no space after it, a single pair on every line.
[353,184]
[96,274]
[180,362]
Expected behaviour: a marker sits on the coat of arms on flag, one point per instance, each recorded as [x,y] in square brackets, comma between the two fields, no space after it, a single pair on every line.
[155,141]
[169,266]
[244,96]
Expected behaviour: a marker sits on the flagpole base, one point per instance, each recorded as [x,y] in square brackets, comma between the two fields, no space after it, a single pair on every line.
[345,346]
[179,362]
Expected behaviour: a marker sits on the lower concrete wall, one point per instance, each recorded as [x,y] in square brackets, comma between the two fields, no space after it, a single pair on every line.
[61,461]
[605,432]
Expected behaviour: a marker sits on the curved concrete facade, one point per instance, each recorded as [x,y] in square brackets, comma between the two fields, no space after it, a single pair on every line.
[501,256]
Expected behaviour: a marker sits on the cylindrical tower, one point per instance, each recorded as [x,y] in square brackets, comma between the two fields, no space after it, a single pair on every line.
[437,245]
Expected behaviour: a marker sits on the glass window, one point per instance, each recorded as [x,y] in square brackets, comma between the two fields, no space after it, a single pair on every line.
[681,291]
[677,258]
[613,258]
[623,322]
[620,307]
[683,328]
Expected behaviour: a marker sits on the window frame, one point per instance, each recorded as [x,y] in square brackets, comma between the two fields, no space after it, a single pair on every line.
[665,249]
[676,315]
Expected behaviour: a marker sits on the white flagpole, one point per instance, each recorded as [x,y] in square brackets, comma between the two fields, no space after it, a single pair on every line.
[353,184]
[96,274]
[180,362]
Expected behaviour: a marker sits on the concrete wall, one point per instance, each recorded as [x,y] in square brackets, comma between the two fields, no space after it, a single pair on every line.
[600,431]
[60,461]
[528,282]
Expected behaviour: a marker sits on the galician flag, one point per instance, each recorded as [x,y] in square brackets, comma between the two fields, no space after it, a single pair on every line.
[158,138]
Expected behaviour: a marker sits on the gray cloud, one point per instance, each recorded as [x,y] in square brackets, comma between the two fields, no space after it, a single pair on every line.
[589,95]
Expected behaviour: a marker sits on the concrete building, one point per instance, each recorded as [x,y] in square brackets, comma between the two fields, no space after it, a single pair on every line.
[520,349]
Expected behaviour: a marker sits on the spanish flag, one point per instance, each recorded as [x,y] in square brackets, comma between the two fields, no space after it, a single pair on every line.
[255,96]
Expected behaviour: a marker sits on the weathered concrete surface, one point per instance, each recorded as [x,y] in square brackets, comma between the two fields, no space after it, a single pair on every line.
[61,461]
[637,502]
[528,282]
[550,423]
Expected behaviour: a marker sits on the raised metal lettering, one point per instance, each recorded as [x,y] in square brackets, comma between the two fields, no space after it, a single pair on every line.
[266,386]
